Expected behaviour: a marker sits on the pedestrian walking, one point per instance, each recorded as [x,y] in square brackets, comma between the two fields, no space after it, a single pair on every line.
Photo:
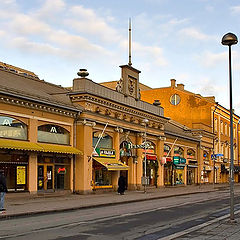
[121,185]
[3,189]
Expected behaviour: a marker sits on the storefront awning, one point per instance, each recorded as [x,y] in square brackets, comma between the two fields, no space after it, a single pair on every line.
[38,147]
[19,145]
[111,164]
[58,148]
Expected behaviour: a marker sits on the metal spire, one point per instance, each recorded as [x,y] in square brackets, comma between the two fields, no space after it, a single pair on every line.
[130,40]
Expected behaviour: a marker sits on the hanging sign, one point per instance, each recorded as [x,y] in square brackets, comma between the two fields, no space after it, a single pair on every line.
[61,170]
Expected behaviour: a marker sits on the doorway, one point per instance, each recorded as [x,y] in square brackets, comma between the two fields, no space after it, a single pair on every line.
[45,177]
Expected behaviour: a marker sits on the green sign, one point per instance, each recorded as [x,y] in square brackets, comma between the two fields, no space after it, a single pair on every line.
[176,160]
[182,160]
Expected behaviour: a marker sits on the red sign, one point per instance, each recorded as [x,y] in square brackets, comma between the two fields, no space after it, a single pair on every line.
[151,157]
[61,170]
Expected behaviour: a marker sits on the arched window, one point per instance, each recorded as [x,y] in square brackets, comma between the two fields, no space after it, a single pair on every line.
[205,156]
[226,129]
[178,151]
[12,128]
[191,153]
[105,142]
[166,150]
[124,150]
[50,133]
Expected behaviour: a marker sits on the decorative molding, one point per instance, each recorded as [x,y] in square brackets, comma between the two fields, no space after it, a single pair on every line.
[87,123]
[40,107]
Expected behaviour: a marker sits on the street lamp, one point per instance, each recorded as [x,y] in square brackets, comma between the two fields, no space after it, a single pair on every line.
[145,121]
[230,39]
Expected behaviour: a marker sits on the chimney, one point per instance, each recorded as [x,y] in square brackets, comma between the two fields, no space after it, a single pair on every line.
[173,82]
[180,86]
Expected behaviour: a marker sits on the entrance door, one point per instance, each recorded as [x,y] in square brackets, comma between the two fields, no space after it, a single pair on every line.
[45,177]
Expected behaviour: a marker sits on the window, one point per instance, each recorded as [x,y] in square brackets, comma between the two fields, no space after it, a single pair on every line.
[226,129]
[53,134]
[166,150]
[175,99]
[191,153]
[221,126]
[105,142]
[178,151]
[215,125]
[234,132]
[12,128]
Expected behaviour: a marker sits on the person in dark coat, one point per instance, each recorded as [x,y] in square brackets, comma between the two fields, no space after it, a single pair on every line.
[3,190]
[121,185]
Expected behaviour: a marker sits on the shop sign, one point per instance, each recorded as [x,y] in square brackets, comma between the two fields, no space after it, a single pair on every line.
[61,170]
[21,175]
[166,160]
[151,157]
[182,160]
[176,160]
[146,145]
[104,152]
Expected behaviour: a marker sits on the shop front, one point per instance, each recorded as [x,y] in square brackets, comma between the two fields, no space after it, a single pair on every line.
[151,164]
[192,167]
[54,172]
[105,169]
[207,169]
[178,169]
[168,166]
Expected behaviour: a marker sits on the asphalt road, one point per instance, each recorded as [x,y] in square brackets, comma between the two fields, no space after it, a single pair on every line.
[148,220]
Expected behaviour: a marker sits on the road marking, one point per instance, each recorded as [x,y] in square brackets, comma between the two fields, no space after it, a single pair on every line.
[195,228]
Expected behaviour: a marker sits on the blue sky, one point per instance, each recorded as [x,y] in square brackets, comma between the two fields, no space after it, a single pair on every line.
[178,39]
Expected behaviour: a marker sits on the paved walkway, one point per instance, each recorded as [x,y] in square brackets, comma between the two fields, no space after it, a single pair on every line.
[20,204]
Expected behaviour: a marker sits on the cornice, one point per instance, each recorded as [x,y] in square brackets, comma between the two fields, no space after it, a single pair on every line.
[103,107]
[37,106]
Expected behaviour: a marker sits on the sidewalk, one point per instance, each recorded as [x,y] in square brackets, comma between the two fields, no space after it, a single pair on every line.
[20,204]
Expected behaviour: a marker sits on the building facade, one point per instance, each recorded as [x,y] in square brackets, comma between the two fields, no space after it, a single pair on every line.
[208,119]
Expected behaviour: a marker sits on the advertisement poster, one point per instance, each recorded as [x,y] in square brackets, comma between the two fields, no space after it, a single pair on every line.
[21,173]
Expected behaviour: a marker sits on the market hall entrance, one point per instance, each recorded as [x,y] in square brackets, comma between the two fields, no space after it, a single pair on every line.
[45,177]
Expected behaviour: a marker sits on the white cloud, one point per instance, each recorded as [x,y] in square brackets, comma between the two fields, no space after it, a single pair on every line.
[195,34]
[210,59]
[50,8]
[235,9]
[86,21]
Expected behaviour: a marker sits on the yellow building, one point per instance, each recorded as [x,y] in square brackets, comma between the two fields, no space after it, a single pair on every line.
[36,132]
[197,112]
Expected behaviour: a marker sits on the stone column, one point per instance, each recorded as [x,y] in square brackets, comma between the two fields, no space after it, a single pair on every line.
[185,168]
[160,154]
[139,172]
[116,146]
[83,165]
[32,161]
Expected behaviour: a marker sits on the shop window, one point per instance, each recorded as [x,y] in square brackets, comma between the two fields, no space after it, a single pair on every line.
[53,134]
[12,128]
[124,149]
[105,142]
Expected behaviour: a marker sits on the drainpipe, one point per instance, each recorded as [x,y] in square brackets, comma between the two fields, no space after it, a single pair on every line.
[214,145]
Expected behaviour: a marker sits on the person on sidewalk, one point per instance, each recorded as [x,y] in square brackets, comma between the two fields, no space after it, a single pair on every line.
[3,190]
[121,185]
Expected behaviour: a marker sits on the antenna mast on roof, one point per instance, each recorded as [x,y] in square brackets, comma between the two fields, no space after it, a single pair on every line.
[130,39]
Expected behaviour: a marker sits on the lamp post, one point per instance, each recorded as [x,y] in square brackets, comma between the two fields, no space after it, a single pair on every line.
[230,39]
[214,158]
[145,121]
